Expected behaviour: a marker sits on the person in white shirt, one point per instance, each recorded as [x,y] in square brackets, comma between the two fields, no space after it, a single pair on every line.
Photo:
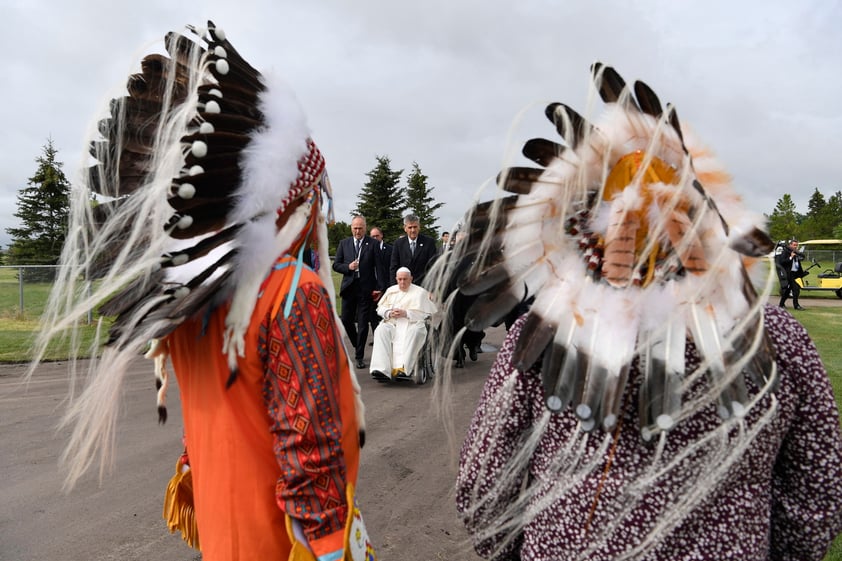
[400,336]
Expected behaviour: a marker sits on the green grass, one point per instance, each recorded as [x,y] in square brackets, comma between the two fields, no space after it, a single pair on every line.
[825,328]
[34,297]
[18,326]
[835,552]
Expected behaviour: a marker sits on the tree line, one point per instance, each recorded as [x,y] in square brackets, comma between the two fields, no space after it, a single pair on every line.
[384,202]
[43,208]
[823,219]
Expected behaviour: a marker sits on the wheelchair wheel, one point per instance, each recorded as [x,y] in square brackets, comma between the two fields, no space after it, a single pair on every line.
[424,369]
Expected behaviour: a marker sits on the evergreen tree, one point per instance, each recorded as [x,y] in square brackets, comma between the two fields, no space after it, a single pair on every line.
[833,216]
[337,232]
[813,226]
[783,222]
[420,201]
[382,201]
[43,209]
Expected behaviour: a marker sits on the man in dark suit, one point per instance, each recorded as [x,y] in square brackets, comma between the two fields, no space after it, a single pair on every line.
[413,251]
[357,259]
[382,271]
[789,269]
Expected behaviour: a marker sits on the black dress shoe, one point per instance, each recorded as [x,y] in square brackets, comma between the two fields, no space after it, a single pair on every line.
[460,363]
[798,308]
[379,376]
[360,363]
[472,352]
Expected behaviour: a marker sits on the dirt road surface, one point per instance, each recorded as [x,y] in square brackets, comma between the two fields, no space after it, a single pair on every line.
[405,487]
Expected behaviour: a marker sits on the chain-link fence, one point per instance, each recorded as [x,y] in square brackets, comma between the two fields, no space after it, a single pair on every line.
[24,290]
[826,258]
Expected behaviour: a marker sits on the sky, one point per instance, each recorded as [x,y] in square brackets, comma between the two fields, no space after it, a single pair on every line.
[454,85]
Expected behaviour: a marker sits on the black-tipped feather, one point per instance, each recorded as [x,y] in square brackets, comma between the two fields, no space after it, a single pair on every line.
[755,243]
[676,125]
[489,309]
[519,180]
[555,357]
[488,279]
[647,100]
[232,122]
[542,151]
[571,126]
[129,296]
[227,113]
[176,311]
[611,86]
[612,399]
[528,349]
[205,219]
[497,278]
[205,246]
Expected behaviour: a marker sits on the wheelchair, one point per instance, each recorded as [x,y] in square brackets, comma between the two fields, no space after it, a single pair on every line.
[424,365]
[425,370]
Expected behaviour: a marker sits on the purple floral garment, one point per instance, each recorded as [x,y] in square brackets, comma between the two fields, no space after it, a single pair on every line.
[781,501]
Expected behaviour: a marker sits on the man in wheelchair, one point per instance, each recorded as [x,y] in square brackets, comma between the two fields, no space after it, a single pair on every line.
[400,336]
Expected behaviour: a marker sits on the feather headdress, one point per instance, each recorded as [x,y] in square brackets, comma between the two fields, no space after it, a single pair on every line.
[204,174]
[628,236]
[629,240]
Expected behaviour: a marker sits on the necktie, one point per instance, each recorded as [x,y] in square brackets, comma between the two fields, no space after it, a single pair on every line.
[357,257]
[412,247]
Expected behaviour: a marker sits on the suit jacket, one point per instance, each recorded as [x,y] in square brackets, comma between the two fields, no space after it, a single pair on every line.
[784,266]
[370,261]
[425,251]
[385,262]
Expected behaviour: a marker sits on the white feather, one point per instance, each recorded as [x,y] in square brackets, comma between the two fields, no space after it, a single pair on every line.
[253,263]
[270,160]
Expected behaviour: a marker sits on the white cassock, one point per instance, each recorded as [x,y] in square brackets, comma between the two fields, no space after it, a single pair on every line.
[398,341]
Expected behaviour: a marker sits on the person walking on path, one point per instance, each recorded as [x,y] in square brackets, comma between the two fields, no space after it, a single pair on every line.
[212,192]
[413,251]
[382,271]
[358,259]
[789,271]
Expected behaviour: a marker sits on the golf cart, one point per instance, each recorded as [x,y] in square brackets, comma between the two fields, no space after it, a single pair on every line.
[829,278]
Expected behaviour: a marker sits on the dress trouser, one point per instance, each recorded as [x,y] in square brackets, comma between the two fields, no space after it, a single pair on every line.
[356,310]
[791,288]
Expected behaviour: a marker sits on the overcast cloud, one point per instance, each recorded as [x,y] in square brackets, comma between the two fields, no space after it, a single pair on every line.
[440,82]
